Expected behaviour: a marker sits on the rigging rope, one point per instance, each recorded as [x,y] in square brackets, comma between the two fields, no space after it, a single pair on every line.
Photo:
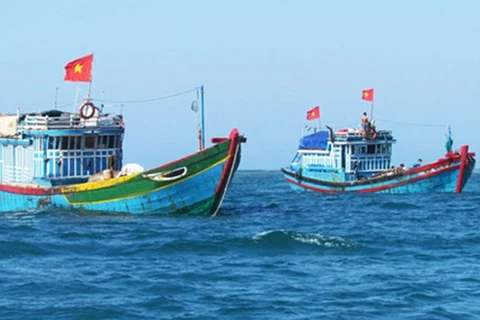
[137,101]
[148,100]
[412,124]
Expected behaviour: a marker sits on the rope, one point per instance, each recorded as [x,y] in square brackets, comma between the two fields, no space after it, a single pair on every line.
[135,101]
[148,100]
[413,124]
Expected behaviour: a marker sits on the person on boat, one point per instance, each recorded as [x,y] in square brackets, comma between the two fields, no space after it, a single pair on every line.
[400,169]
[418,163]
[364,122]
[356,166]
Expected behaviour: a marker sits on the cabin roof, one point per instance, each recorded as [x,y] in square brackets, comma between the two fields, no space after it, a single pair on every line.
[319,140]
[13,125]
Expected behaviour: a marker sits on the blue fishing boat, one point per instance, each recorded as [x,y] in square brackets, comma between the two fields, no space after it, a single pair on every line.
[74,160]
[359,160]
[61,160]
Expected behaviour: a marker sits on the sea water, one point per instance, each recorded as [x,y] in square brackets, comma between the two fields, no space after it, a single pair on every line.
[271,253]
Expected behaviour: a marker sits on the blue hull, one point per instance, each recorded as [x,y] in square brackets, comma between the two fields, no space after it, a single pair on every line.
[447,179]
[182,197]
[196,184]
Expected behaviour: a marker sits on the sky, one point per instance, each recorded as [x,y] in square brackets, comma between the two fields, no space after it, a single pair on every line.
[263,65]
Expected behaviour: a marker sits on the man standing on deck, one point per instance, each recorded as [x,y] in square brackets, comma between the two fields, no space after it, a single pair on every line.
[364,122]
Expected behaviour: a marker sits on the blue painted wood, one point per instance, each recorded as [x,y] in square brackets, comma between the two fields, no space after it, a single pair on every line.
[185,193]
[332,168]
[444,181]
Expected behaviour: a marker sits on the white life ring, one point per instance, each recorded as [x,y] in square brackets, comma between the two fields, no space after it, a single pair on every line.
[87,110]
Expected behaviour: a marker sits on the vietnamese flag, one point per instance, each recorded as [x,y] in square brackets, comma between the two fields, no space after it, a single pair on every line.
[80,69]
[367,94]
[314,113]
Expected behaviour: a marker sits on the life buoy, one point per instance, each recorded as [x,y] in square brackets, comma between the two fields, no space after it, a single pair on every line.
[87,110]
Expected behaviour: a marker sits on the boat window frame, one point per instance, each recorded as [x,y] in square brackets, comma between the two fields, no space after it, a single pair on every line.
[65,142]
[87,139]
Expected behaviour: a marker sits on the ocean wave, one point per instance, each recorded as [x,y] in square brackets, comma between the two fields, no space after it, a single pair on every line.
[285,238]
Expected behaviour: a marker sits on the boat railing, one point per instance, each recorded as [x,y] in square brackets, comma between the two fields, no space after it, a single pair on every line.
[36,122]
[353,133]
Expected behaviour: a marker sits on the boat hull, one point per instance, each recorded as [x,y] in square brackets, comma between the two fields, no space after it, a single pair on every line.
[196,184]
[449,174]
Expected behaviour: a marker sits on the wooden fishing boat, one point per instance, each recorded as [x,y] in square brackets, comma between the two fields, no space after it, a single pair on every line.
[352,160]
[62,160]
[66,160]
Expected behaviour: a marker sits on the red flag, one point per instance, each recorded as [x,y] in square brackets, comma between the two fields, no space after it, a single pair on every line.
[367,94]
[80,69]
[314,113]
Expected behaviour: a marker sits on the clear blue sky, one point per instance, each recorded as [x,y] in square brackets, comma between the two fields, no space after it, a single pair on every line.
[263,63]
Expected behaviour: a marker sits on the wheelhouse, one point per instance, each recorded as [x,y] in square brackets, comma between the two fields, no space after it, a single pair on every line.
[344,155]
[54,148]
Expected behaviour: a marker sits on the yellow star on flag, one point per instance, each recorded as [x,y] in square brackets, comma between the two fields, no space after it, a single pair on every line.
[365,94]
[78,68]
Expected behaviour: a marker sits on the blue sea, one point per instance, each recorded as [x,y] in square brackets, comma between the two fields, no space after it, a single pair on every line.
[271,253]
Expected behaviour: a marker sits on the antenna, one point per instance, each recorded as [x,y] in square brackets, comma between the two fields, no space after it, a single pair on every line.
[56,96]
[76,99]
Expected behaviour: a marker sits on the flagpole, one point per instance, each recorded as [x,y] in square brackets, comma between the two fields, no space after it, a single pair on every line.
[89,89]
[371,111]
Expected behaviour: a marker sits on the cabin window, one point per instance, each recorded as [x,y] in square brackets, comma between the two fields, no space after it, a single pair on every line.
[75,143]
[64,143]
[362,149]
[102,142]
[51,143]
[352,149]
[111,142]
[297,159]
[371,149]
[90,142]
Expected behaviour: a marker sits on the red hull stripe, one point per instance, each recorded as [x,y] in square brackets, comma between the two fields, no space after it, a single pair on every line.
[379,188]
[26,190]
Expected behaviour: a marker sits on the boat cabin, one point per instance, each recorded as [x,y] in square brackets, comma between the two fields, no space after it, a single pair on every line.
[58,148]
[344,155]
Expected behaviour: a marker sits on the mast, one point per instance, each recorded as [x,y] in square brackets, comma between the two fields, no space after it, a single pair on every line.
[202,126]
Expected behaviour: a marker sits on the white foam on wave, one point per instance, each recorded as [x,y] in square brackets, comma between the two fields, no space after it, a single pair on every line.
[265,233]
[323,241]
[315,239]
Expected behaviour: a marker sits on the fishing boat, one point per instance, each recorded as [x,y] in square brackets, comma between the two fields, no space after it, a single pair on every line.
[360,160]
[74,160]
